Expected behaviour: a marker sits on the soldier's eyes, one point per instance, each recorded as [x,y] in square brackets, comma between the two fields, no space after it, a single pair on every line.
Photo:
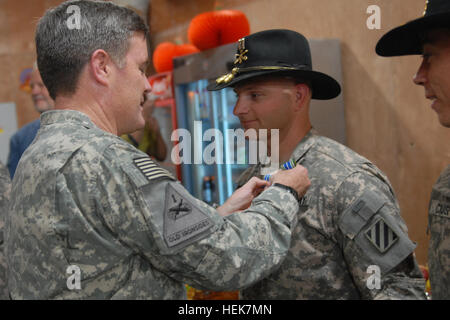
[251,95]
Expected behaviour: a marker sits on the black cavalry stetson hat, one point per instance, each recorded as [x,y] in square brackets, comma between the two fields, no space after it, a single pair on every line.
[277,52]
[405,40]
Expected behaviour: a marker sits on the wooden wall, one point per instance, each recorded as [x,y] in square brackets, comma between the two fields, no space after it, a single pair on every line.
[388,119]
[17,51]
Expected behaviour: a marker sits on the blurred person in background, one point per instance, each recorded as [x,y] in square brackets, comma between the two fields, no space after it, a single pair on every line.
[148,139]
[24,137]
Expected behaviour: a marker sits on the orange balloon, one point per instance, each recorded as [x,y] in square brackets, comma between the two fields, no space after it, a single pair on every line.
[233,25]
[162,56]
[166,51]
[185,49]
[211,29]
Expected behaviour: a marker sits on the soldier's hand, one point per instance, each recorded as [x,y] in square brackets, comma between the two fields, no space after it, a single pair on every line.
[243,197]
[296,178]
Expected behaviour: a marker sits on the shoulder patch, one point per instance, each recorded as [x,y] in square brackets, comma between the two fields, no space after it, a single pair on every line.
[380,235]
[374,225]
[184,221]
[150,169]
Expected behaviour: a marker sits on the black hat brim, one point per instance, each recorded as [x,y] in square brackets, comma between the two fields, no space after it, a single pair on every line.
[324,87]
[405,40]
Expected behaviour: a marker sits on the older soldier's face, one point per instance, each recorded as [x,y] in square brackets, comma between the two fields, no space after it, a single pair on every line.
[434,73]
[131,87]
[39,93]
[265,104]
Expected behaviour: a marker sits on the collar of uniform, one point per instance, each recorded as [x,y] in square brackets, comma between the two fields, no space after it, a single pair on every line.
[304,145]
[55,116]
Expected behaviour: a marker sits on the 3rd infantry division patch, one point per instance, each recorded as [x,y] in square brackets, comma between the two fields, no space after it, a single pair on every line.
[381,235]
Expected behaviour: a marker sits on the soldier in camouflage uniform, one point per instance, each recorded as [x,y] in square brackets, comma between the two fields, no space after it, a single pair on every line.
[350,241]
[430,37]
[5,188]
[92,216]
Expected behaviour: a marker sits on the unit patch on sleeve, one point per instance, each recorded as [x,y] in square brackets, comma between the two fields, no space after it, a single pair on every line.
[381,235]
[184,221]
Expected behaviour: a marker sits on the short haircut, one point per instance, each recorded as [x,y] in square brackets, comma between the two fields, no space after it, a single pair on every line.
[63,51]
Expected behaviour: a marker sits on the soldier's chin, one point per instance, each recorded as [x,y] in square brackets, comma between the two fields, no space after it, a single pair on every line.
[41,107]
[445,121]
[140,123]
[131,129]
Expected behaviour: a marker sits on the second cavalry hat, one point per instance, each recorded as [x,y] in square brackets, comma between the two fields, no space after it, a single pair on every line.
[277,52]
[405,40]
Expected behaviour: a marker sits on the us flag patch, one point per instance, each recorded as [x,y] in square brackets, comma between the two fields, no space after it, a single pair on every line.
[150,169]
[381,235]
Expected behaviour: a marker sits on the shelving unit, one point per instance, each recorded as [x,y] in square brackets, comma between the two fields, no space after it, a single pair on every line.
[166,107]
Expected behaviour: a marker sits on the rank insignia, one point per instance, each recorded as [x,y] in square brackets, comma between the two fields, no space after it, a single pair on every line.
[241,56]
[381,235]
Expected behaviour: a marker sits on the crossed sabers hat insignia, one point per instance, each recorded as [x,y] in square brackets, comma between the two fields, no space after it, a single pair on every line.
[241,57]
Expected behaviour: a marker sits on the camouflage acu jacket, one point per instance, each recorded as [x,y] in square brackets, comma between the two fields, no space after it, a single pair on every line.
[93,217]
[5,187]
[439,248]
[350,241]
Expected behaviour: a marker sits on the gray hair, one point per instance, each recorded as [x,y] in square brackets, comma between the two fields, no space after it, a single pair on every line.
[63,51]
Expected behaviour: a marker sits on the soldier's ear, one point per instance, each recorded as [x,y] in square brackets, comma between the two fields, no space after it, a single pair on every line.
[302,95]
[100,66]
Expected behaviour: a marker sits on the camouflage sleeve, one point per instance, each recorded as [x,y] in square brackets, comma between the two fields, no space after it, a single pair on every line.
[5,188]
[439,245]
[374,240]
[187,239]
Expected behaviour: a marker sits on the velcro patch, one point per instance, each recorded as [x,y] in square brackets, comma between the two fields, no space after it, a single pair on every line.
[354,218]
[381,235]
[150,169]
[384,242]
[184,221]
